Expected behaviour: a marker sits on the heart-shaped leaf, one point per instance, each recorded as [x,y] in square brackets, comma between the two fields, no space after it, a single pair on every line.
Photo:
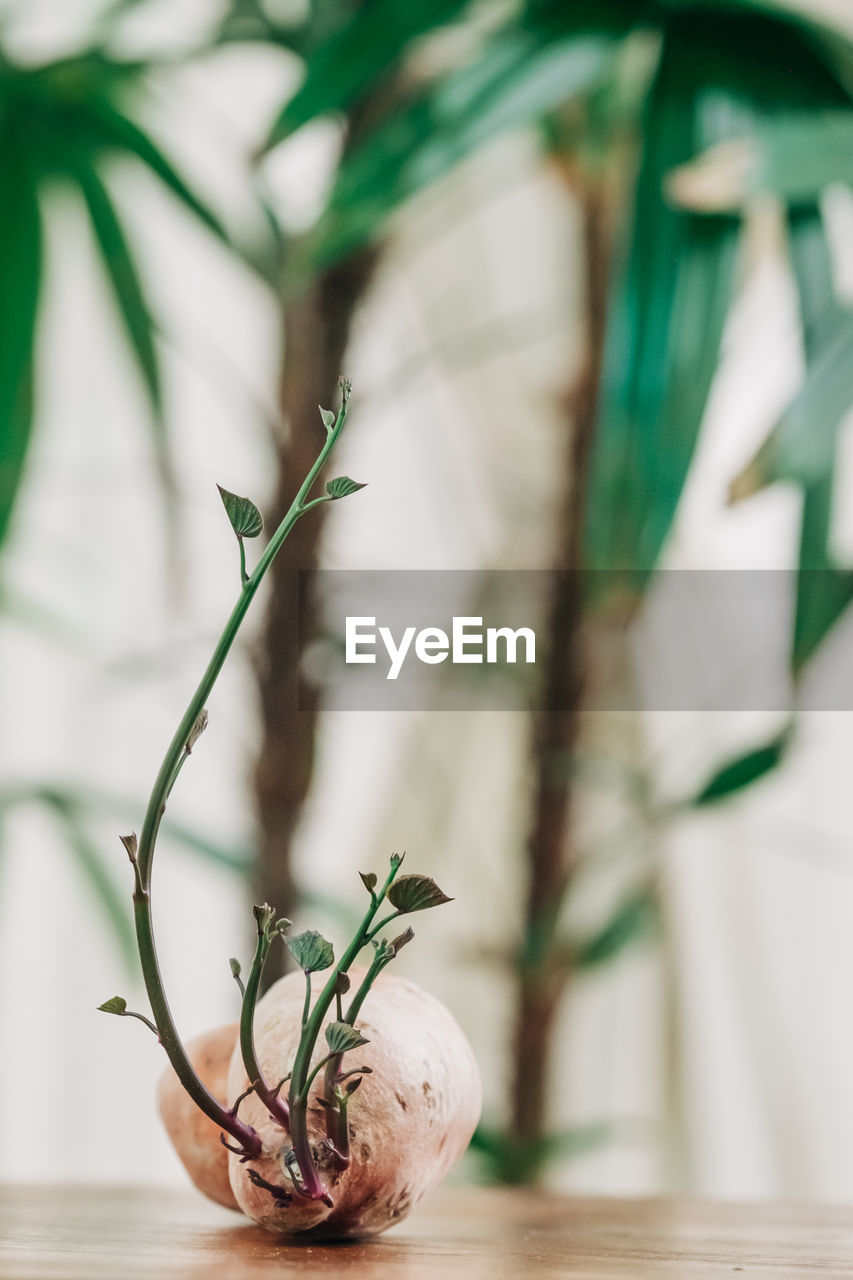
[342,487]
[340,1037]
[246,519]
[117,1005]
[416,893]
[311,951]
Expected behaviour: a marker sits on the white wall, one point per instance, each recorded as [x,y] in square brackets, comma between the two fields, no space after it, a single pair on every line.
[747,1011]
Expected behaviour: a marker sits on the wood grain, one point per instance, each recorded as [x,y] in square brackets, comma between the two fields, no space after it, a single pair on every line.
[84,1233]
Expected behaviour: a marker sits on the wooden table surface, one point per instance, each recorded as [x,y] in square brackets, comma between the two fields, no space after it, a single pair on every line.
[82,1233]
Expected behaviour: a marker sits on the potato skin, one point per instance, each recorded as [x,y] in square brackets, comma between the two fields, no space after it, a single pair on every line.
[193,1135]
[409,1121]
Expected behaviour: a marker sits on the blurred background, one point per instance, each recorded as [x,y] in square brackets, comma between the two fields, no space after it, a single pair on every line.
[590,268]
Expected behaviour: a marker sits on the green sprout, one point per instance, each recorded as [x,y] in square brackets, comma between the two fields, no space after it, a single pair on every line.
[312,952]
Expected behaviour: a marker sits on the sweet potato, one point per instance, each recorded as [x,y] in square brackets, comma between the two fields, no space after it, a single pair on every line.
[194,1137]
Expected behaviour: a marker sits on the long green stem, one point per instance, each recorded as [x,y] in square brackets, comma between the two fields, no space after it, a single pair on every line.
[244,1134]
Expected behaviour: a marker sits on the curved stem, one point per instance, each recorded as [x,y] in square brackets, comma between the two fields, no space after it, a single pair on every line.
[382,923]
[172,762]
[277,1109]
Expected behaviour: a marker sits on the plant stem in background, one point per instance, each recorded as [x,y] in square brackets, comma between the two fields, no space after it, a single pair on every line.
[542,975]
[316,326]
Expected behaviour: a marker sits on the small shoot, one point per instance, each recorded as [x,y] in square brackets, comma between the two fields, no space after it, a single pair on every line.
[236,970]
[118,1006]
[342,986]
[131,846]
[368,879]
[269,928]
[418,893]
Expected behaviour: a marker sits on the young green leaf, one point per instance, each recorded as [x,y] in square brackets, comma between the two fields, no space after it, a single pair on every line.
[328,417]
[117,1005]
[311,951]
[236,970]
[415,893]
[342,487]
[340,1037]
[368,879]
[246,519]
[264,915]
[396,944]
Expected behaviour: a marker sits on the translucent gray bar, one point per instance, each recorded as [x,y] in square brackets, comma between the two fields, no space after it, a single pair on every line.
[687,640]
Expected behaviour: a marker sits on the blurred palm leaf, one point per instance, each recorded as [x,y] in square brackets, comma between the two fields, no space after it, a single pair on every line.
[667,315]
[503,1158]
[794,159]
[802,447]
[634,919]
[74,809]
[514,86]
[520,71]
[133,307]
[366,48]
[743,770]
[20,275]
[64,120]
[823,590]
